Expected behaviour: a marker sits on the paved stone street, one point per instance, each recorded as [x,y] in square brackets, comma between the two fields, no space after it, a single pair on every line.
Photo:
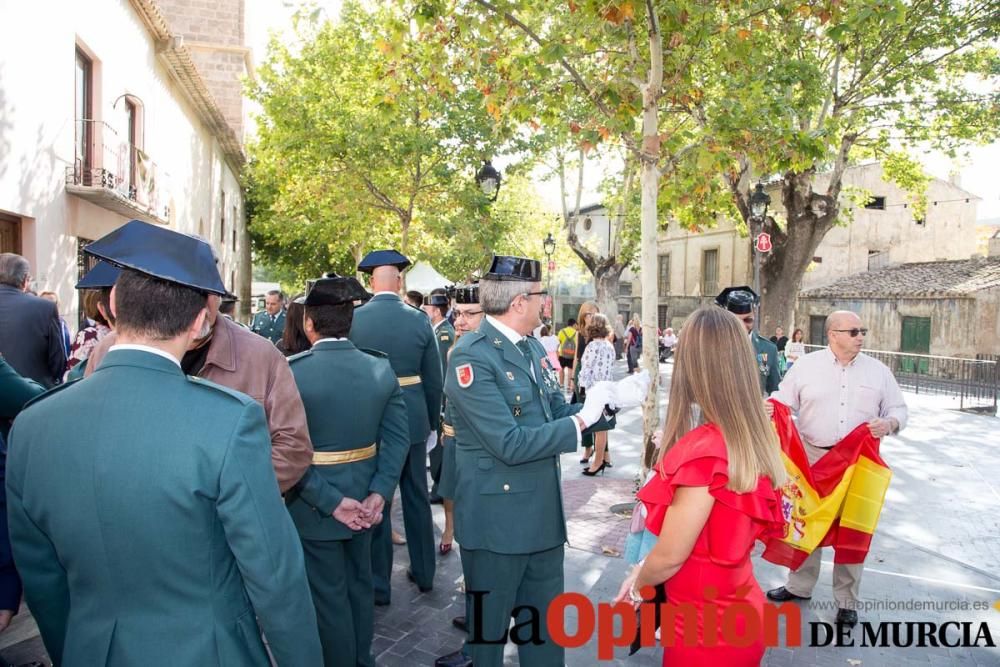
[938,543]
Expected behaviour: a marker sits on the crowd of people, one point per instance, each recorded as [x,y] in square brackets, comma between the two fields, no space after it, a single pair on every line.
[181,486]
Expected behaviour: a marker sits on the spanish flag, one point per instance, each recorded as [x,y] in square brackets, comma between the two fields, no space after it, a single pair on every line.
[835,502]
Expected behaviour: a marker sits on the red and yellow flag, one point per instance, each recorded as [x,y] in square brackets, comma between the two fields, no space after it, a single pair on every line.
[835,502]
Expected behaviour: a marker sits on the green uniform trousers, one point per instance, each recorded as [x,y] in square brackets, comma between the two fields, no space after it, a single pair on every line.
[417,522]
[512,580]
[340,578]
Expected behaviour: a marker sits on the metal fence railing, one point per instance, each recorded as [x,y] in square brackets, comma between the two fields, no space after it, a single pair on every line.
[976,382]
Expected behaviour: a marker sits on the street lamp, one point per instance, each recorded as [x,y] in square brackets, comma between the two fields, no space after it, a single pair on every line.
[759,201]
[488,180]
[549,245]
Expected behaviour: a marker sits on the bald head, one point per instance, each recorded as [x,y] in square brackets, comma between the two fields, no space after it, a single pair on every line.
[840,325]
[386,279]
[841,319]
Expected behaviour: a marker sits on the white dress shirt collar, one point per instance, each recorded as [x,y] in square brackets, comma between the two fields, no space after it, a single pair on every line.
[145,348]
[508,333]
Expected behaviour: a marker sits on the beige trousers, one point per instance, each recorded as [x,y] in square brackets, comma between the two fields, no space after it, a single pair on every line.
[846,578]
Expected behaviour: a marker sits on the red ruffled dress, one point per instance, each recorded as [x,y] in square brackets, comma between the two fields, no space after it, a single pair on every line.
[719,565]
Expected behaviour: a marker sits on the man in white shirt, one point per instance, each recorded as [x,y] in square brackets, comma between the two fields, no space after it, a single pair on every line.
[833,390]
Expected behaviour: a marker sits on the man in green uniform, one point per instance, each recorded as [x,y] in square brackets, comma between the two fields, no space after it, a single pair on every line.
[145,518]
[388,325]
[270,323]
[511,424]
[436,306]
[360,441]
[741,301]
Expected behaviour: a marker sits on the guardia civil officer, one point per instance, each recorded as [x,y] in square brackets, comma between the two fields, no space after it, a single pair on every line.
[511,423]
[361,440]
[741,301]
[270,322]
[388,325]
[436,305]
[156,535]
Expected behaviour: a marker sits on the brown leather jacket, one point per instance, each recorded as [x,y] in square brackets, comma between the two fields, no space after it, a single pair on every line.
[240,359]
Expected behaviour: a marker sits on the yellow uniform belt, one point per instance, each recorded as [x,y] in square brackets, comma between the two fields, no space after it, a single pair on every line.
[448,430]
[407,380]
[336,458]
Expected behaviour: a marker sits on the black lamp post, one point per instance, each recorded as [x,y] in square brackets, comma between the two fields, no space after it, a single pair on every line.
[549,245]
[488,179]
[759,201]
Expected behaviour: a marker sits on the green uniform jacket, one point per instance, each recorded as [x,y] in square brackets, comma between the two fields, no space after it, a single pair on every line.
[368,408]
[510,429]
[263,326]
[404,333]
[147,525]
[767,363]
[15,391]
[445,335]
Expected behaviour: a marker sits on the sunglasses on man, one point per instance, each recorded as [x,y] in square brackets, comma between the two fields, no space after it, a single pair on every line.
[853,333]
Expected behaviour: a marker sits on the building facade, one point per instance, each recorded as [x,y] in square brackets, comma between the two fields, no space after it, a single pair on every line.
[947,308]
[105,116]
[693,267]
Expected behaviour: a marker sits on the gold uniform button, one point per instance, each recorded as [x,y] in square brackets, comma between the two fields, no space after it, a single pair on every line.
[506,487]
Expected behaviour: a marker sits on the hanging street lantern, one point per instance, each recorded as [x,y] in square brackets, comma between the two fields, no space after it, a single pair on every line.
[488,179]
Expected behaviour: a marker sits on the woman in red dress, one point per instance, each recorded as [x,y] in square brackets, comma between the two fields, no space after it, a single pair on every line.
[713,493]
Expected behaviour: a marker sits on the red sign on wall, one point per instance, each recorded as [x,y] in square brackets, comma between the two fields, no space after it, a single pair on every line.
[763,243]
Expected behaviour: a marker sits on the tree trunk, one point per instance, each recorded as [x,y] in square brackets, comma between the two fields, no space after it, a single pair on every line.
[244,271]
[810,216]
[606,280]
[649,183]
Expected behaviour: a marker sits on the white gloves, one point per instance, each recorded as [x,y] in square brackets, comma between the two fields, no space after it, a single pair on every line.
[432,440]
[598,396]
[631,391]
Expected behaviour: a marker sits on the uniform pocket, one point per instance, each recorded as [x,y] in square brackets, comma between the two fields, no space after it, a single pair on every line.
[499,484]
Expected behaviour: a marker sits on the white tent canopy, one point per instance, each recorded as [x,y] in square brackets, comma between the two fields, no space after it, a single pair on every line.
[423,278]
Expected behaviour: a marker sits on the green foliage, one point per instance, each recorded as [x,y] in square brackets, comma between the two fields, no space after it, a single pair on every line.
[365,142]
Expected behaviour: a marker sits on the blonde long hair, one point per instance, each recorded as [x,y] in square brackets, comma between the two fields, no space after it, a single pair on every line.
[587,308]
[715,368]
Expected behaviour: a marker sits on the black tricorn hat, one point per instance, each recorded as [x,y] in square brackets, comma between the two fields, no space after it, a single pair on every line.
[740,300]
[465,293]
[507,267]
[436,300]
[103,275]
[335,291]
[377,258]
[162,253]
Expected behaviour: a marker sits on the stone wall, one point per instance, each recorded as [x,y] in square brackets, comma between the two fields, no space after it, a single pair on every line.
[214,31]
[960,327]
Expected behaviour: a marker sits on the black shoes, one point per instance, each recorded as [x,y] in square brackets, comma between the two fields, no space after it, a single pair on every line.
[590,473]
[459,622]
[782,594]
[847,617]
[456,659]
[423,589]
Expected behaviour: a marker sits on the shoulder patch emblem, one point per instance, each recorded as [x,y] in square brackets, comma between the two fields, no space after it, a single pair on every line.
[465,376]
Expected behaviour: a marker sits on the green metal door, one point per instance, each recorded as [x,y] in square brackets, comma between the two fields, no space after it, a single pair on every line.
[916,339]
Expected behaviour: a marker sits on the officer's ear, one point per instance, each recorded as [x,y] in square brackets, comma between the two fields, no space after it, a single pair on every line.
[111,301]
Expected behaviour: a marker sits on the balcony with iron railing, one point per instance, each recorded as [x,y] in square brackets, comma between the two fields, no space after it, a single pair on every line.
[116,175]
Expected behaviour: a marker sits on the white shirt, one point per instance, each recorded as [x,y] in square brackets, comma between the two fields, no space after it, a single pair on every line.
[516,338]
[832,400]
[794,351]
[145,348]
[324,340]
